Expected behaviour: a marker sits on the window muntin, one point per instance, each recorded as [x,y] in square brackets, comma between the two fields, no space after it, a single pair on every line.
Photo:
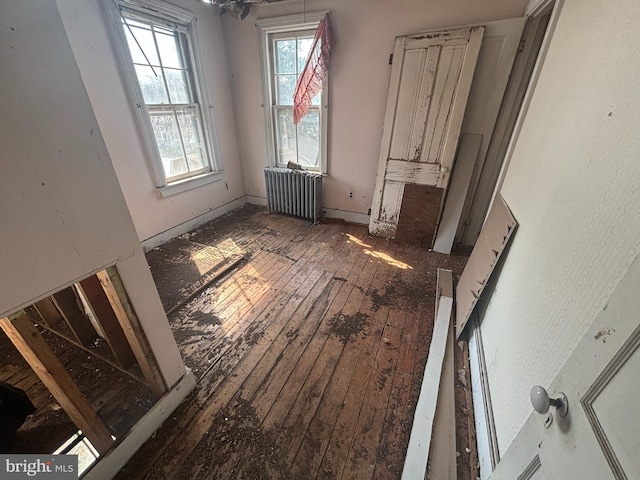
[300,143]
[164,68]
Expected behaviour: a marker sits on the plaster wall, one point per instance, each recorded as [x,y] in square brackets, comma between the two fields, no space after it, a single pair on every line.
[87,29]
[573,184]
[63,214]
[364,33]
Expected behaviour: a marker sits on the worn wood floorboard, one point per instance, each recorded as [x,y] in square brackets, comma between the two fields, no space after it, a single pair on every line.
[309,356]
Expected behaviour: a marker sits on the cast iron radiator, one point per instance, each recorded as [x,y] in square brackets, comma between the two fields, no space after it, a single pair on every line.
[294,192]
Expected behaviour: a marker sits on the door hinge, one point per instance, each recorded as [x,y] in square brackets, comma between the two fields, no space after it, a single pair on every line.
[391,59]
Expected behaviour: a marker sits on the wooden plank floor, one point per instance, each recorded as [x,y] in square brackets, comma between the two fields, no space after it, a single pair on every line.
[309,355]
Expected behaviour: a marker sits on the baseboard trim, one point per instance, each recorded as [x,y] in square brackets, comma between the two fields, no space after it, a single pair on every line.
[352,217]
[189,225]
[109,465]
[254,200]
[486,438]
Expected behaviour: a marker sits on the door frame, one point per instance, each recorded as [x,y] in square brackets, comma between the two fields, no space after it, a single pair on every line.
[487,441]
[516,99]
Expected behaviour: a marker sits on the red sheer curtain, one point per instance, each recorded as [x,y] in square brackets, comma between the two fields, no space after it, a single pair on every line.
[310,81]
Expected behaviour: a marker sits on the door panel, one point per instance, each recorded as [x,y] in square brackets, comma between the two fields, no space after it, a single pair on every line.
[533,470]
[607,403]
[600,436]
[446,85]
[430,82]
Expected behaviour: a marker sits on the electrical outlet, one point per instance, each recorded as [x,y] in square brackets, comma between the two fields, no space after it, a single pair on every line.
[226,185]
[350,194]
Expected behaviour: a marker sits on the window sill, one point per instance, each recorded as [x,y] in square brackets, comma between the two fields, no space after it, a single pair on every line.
[189,183]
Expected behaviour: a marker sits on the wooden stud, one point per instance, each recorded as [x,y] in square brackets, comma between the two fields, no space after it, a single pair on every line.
[117,296]
[48,311]
[68,304]
[23,334]
[106,317]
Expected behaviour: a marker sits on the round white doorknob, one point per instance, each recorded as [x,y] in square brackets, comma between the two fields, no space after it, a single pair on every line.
[541,401]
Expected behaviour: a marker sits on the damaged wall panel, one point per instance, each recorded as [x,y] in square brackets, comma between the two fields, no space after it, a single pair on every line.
[493,239]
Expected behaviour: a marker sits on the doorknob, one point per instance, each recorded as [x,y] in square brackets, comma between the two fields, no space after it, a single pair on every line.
[541,401]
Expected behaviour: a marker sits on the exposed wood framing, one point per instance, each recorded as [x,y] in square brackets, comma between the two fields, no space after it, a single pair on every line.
[68,305]
[106,316]
[415,465]
[48,311]
[93,352]
[115,292]
[23,334]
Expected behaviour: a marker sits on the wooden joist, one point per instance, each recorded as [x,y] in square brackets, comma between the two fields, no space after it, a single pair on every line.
[23,334]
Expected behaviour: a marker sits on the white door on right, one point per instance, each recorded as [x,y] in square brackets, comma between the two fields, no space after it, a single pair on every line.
[600,436]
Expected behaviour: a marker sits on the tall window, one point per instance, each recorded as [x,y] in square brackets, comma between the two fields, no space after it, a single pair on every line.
[159,40]
[298,143]
[286,45]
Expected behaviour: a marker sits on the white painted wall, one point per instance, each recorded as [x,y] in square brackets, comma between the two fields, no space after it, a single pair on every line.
[364,32]
[574,186]
[62,212]
[92,46]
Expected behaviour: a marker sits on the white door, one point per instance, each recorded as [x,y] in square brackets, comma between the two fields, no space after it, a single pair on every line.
[600,436]
[430,82]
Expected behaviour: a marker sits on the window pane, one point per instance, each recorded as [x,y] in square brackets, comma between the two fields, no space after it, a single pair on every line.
[165,129]
[169,51]
[285,53]
[304,45]
[309,139]
[178,86]
[286,136]
[191,136]
[137,23]
[152,85]
[144,38]
[285,86]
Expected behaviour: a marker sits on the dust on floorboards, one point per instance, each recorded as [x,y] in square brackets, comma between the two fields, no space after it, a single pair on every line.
[309,355]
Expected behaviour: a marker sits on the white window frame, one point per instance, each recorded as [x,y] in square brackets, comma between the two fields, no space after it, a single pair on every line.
[187,20]
[267,28]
